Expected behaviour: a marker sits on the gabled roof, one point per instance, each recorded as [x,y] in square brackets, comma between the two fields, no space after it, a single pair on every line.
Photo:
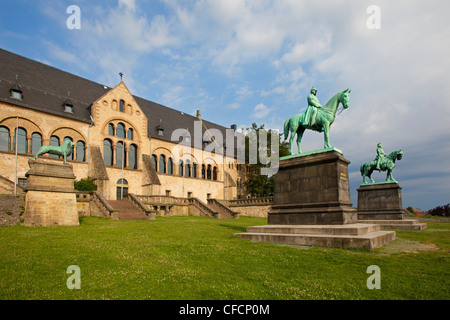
[45,88]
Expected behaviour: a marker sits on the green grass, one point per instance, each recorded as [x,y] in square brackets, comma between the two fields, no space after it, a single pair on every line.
[199,258]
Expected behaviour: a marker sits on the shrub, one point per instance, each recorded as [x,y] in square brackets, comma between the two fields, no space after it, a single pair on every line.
[85,185]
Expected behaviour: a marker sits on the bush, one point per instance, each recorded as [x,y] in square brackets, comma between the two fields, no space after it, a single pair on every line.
[443,211]
[85,185]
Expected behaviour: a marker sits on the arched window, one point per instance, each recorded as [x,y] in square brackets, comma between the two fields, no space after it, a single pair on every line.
[194,170]
[111,129]
[54,141]
[80,151]
[130,134]
[22,143]
[120,155]
[36,142]
[203,172]
[122,181]
[122,106]
[162,164]
[5,139]
[132,156]
[154,161]
[170,166]
[215,173]
[208,172]
[107,152]
[180,168]
[187,171]
[120,132]
[69,157]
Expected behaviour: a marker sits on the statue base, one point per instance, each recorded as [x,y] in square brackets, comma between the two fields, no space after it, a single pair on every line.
[50,197]
[380,201]
[312,206]
[312,189]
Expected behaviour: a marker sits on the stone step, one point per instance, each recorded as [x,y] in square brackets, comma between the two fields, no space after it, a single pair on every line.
[127,210]
[222,213]
[406,224]
[346,229]
[371,240]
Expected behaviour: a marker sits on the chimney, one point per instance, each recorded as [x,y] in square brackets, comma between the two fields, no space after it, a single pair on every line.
[199,117]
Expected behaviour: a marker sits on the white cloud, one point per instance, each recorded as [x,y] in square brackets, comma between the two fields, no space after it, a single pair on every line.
[260,111]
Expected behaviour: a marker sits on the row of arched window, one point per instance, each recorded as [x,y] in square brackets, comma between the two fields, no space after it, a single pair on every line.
[31,144]
[119,131]
[119,154]
[184,168]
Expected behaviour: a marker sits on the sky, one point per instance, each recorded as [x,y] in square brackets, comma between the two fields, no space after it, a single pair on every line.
[242,62]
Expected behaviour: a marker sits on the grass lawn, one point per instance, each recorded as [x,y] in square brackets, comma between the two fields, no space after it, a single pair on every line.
[199,258]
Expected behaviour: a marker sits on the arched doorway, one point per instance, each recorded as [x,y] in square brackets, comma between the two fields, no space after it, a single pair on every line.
[122,184]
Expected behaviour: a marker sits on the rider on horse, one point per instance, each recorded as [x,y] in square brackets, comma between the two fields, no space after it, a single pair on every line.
[380,156]
[313,107]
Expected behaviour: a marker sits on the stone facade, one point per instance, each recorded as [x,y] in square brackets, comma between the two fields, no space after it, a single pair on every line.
[88,159]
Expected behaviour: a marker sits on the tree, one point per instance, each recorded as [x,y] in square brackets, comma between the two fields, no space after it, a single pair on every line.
[443,211]
[410,209]
[256,184]
[85,185]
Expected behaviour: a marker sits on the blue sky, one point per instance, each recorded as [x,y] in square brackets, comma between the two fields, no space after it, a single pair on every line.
[243,62]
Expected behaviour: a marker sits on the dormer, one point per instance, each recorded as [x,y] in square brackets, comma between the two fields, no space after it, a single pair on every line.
[16,91]
[68,104]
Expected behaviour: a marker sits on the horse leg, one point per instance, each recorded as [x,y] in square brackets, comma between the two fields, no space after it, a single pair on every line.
[291,141]
[300,132]
[370,176]
[326,135]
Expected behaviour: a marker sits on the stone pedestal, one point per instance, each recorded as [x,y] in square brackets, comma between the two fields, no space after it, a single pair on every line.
[312,206]
[50,197]
[312,190]
[381,203]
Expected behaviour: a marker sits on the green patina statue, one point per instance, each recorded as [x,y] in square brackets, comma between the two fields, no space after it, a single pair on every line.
[381,163]
[316,117]
[63,150]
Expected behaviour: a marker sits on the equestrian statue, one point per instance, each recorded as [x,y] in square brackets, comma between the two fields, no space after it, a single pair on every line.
[63,150]
[382,162]
[316,117]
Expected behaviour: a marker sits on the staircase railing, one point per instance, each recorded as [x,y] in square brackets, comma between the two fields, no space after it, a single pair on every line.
[223,207]
[203,207]
[104,205]
[141,206]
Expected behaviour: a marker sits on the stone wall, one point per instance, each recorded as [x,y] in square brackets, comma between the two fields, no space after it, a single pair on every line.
[256,207]
[11,209]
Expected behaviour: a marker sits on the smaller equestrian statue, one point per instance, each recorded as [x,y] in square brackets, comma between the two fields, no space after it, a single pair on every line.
[381,163]
[63,150]
[316,117]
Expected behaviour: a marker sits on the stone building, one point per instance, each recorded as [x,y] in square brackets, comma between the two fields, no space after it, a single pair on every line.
[127,144]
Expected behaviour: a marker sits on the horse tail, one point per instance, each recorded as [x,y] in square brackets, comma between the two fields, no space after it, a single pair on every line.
[286,129]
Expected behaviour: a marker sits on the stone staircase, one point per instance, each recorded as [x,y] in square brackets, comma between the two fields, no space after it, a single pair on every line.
[223,211]
[404,224]
[222,214]
[127,210]
[356,235]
